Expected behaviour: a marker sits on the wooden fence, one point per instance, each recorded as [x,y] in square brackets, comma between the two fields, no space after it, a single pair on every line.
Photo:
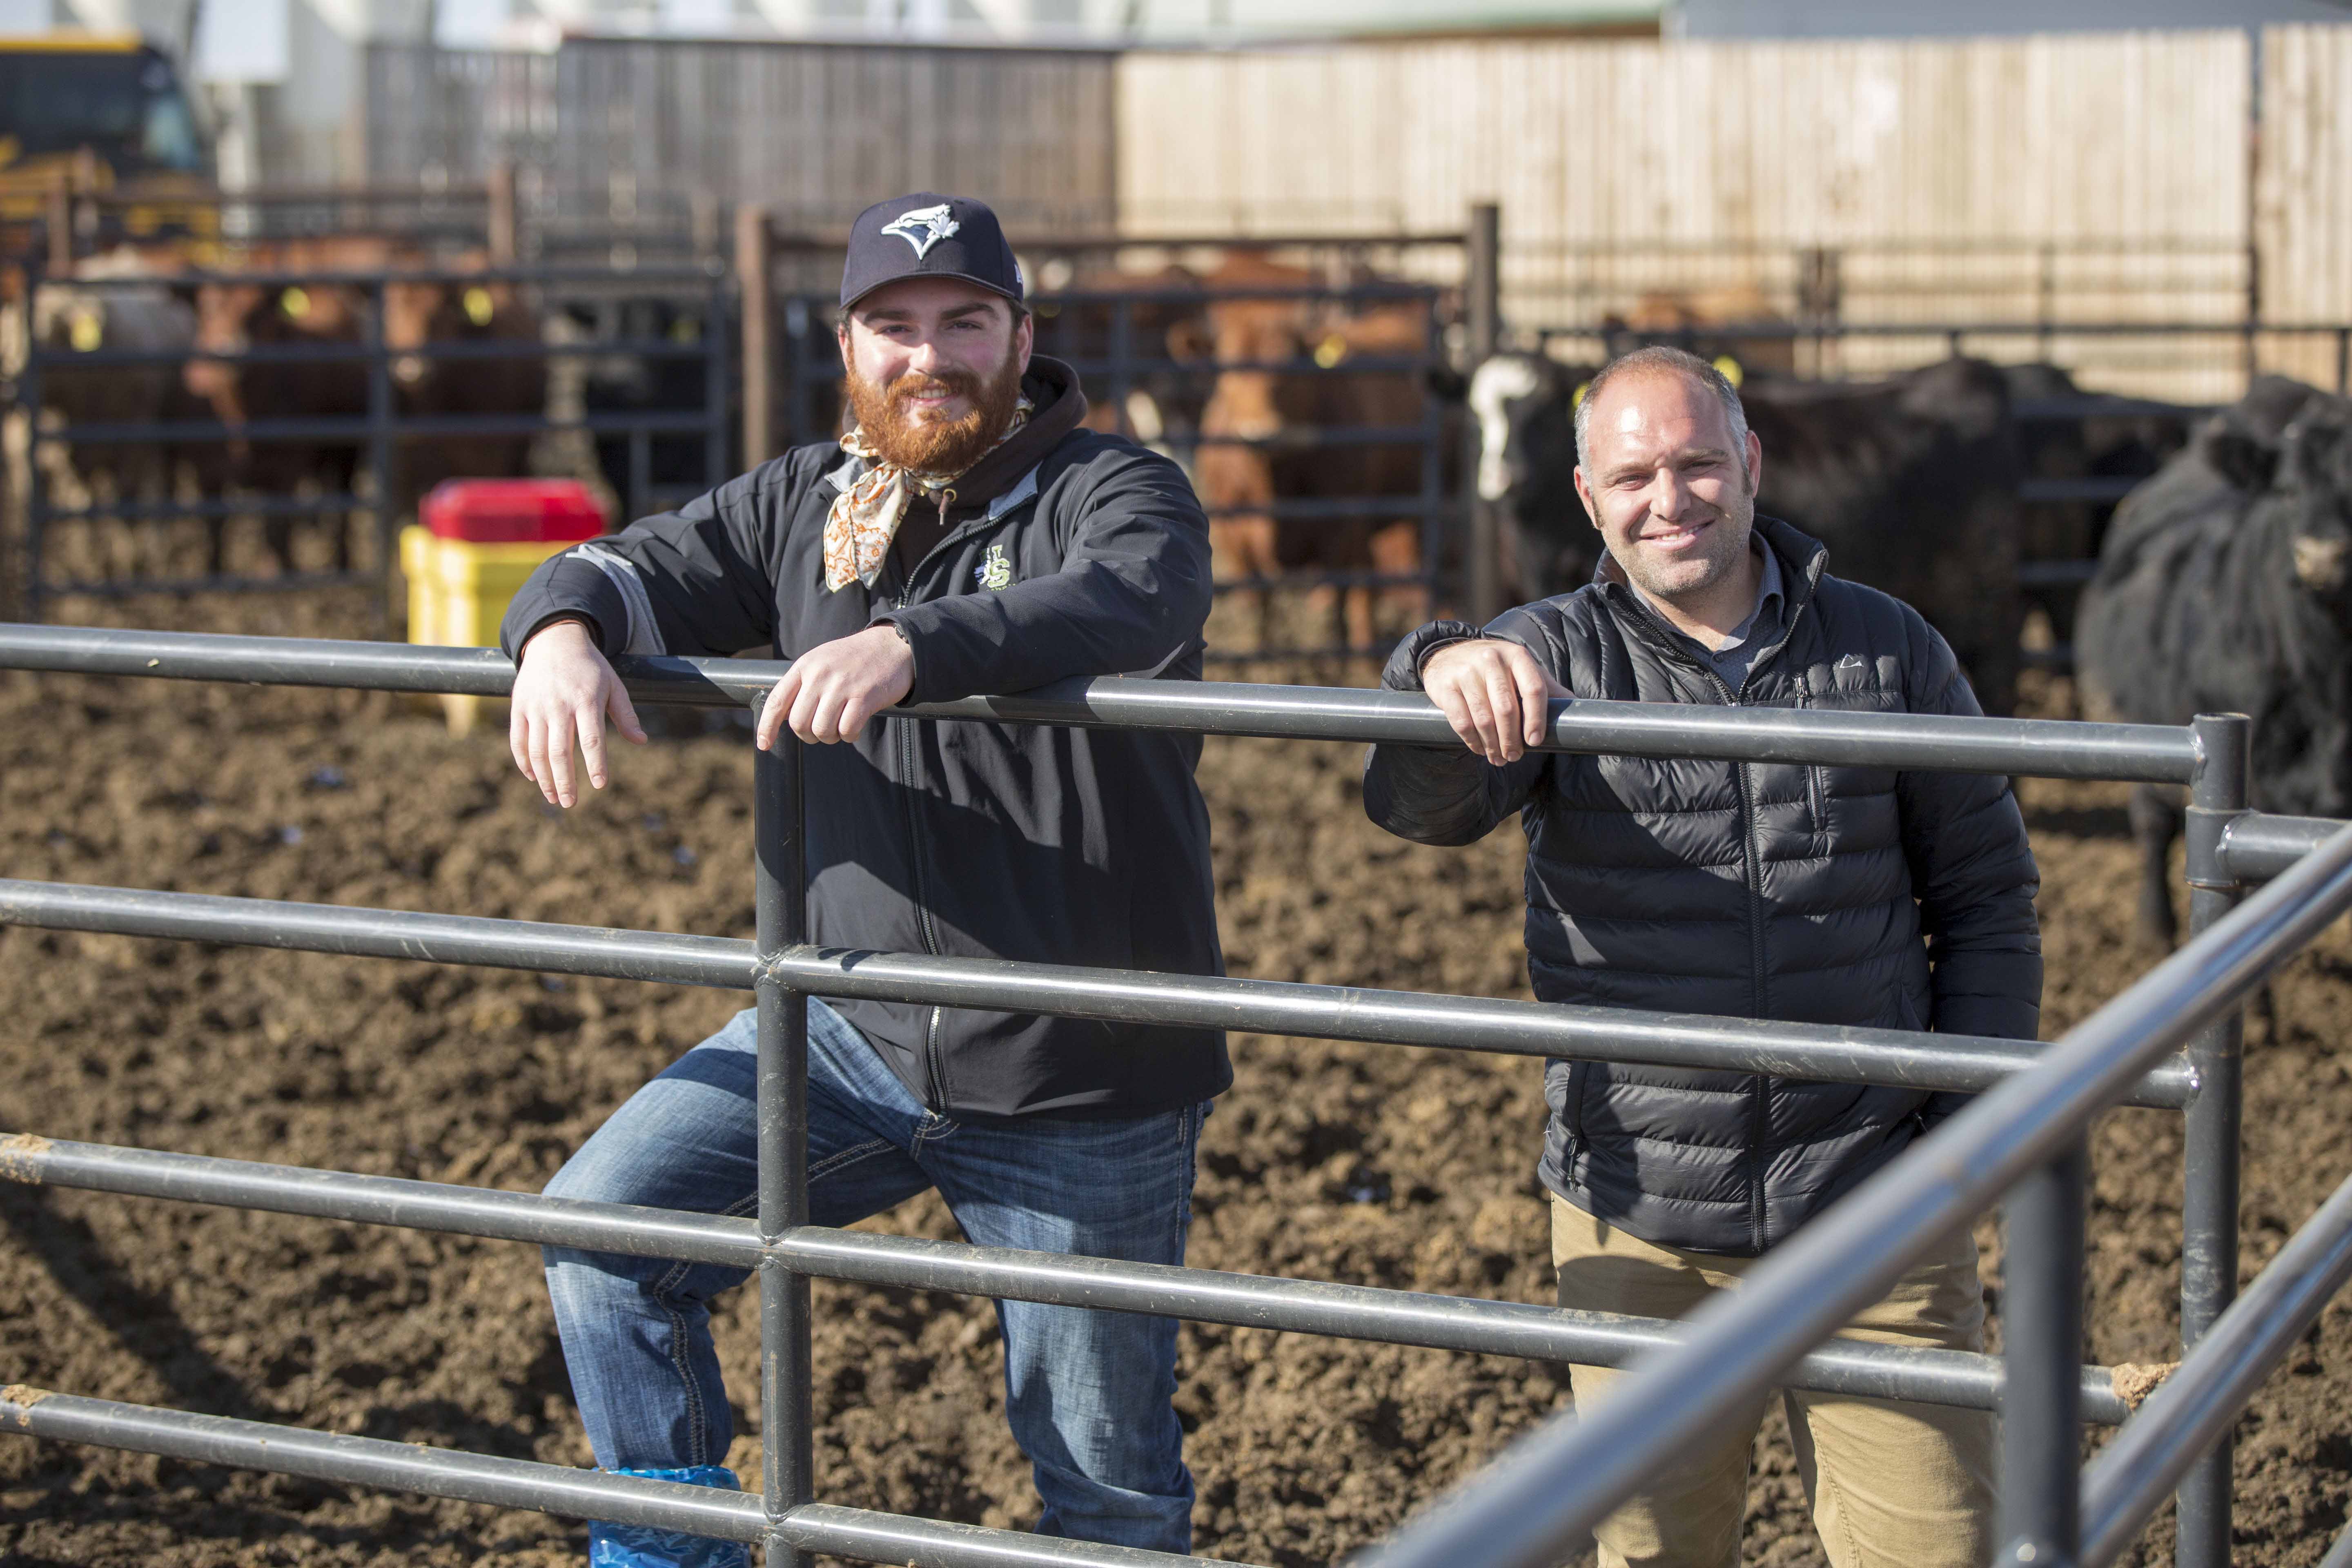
[2087,178]
[2303,192]
[646,141]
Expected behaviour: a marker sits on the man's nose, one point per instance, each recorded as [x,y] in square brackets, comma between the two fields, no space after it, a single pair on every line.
[1669,496]
[923,354]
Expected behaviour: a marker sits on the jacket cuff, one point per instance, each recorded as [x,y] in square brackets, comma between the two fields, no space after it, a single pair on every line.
[1403,672]
[939,676]
[564,586]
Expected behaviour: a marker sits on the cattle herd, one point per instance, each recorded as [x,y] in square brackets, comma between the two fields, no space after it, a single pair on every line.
[1321,421]
[462,345]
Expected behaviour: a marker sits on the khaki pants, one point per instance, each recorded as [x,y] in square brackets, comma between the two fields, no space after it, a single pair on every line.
[1893,1486]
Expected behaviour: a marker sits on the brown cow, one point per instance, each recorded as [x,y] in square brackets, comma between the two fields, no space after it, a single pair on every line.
[1258,406]
[233,317]
[1689,318]
[454,312]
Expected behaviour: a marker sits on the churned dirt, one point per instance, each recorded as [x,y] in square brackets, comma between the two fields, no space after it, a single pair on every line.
[1371,1164]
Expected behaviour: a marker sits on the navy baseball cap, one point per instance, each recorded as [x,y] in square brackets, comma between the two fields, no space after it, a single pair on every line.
[929,236]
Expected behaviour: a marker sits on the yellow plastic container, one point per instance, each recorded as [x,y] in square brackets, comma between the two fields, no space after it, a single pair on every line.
[459,592]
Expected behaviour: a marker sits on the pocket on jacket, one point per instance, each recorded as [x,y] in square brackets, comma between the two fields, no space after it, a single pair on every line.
[1817,796]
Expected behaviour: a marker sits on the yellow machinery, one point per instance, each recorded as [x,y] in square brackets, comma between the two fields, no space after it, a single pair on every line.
[95,133]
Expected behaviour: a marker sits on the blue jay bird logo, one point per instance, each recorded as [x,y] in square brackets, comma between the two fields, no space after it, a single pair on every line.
[923,228]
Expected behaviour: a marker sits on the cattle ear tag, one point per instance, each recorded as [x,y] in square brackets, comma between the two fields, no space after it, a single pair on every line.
[85,332]
[294,302]
[1330,351]
[1576,398]
[480,307]
[1730,369]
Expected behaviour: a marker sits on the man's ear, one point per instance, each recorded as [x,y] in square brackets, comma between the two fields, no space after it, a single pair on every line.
[841,336]
[1584,494]
[1755,463]
[1024,338]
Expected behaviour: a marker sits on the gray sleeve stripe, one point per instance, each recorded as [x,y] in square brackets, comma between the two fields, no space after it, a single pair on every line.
[644,636]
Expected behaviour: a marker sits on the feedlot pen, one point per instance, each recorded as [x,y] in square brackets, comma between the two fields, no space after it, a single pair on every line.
[663,453]
[2022,1140]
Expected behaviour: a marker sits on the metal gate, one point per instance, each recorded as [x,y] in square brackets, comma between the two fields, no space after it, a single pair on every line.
[657,342]
[2022,1137]
[1120,331]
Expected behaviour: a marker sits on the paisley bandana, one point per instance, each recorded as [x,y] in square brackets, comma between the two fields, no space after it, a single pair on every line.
[866,517]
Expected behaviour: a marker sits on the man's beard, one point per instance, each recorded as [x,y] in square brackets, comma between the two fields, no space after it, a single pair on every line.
[1679,582]
[930,446]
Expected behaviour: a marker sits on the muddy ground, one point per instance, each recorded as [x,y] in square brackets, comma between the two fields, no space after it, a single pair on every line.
[1378,1165]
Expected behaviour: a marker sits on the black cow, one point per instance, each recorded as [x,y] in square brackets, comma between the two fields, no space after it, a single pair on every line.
[2223,588]
[1912,482]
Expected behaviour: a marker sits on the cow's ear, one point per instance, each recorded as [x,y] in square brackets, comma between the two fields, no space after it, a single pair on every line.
[1445,383]
[2313,453]
[2247,463]
[1188,339]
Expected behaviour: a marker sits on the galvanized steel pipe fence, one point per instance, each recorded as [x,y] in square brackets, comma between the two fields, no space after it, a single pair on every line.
[2170,1041]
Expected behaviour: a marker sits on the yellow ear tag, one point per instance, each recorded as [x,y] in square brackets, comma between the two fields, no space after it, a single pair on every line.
[85,330]
[1730,370]
[1576,398]
[1330,351]
[480,307]
[294,302]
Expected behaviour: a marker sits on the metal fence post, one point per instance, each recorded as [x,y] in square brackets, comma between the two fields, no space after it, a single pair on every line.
[37,487]
[779,841]
[714,386]
[383,460]
[2042,1352]
[500,224]
[2209,1218]
[1482,312]
[754,261]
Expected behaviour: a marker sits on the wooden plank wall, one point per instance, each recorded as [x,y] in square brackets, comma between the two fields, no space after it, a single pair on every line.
[640,133]
[2303,213]
[2091,177]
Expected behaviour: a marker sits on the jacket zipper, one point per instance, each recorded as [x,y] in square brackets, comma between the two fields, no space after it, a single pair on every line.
[935,1077]
[1752,855]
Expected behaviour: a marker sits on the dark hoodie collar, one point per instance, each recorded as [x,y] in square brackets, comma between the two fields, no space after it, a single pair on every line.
[1061,406]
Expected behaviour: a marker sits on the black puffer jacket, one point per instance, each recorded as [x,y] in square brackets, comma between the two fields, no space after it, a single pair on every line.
[1063,552]
[1748,890]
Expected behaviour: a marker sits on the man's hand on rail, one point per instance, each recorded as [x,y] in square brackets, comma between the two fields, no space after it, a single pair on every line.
[1493,694]
[832,690]
[561,693]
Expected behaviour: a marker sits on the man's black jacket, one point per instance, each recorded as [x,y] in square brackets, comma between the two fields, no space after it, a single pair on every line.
[1753,889]
[1065,553]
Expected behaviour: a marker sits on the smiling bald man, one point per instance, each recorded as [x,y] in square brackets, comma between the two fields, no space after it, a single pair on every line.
[1817,895]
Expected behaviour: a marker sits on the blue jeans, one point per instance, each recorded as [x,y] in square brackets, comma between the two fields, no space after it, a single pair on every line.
[1088,1391]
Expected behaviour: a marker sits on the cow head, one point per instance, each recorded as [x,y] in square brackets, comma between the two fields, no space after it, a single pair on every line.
[2315,472]
[226,319]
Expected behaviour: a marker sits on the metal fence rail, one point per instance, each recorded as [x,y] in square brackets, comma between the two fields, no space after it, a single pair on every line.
[2029,1120]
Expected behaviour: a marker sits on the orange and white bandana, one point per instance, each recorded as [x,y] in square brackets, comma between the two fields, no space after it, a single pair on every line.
[866,517]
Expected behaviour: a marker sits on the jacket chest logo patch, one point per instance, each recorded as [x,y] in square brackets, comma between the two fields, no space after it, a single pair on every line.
[994,571]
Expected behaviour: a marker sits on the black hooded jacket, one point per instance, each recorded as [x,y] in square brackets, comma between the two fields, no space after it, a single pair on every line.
[1062,553]
[1750,890]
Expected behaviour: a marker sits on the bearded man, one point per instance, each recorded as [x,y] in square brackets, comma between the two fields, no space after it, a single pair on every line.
[1819,895]
[967,536]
